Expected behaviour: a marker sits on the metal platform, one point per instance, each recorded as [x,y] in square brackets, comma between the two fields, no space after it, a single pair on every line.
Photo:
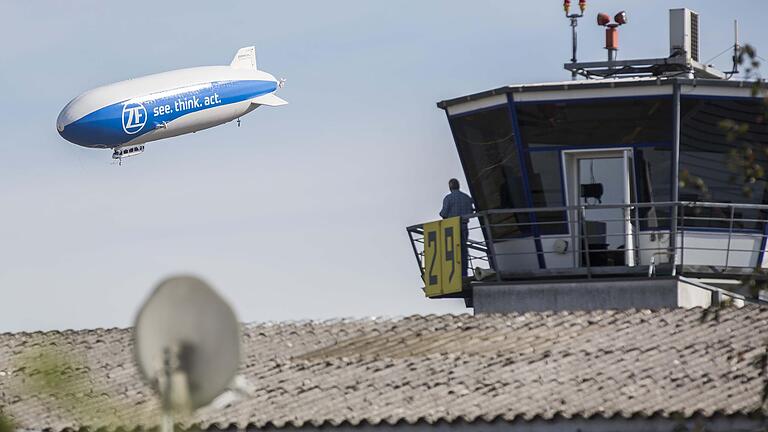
[717,247]
[668,66]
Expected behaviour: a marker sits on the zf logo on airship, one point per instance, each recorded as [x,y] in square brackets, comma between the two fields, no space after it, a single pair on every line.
[134,117]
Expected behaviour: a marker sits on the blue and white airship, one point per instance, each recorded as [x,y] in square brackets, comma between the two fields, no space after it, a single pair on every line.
[124,116]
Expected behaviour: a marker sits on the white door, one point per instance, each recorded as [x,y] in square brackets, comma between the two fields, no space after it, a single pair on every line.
[603,183]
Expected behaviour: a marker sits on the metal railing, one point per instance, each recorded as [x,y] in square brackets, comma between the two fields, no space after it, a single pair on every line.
[653,239]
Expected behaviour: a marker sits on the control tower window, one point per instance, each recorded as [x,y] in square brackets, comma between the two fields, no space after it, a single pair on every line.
[653,166]
[604,122]
[547,190]
[644,124]
[708,154]
[486,145]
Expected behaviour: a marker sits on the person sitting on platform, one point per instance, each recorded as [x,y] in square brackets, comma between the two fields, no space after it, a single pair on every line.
[457,203]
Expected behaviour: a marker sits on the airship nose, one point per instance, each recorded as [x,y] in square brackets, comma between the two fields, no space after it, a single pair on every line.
[66,131]
[67,116]
[72,126]
[66,126]
[88,128]
[70,129]
[80,132]
[61,121]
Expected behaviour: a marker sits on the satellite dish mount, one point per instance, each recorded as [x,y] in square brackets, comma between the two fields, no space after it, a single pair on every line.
[187,345]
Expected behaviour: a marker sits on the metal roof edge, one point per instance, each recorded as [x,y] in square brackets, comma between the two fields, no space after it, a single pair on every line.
[716,421]
[593,84]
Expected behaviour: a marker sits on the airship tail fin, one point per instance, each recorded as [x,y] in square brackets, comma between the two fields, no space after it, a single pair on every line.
[269,100]
[245,58]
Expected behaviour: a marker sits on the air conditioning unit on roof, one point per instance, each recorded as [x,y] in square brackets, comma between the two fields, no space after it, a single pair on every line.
[684,34]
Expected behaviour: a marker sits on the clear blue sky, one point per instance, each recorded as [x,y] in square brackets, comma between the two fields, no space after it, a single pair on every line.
[300,213]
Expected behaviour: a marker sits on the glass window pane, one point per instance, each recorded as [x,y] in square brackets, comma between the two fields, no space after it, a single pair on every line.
[599,122]
[546,183]
[487,148]
[711,162]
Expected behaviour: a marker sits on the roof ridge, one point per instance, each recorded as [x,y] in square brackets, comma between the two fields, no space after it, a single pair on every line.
[398,318]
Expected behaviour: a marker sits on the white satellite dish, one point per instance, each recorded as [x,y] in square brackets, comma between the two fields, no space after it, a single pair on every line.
[187,343]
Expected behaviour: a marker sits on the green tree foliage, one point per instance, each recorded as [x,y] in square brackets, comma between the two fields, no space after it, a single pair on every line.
[6,425]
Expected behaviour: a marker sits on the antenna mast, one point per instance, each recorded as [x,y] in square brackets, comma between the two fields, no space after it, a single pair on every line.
[735,58]
[574,22]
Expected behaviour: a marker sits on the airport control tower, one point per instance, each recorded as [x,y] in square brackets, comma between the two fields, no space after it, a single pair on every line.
[624,188]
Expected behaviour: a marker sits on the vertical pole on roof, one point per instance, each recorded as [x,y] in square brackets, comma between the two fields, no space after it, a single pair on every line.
[675,172]
[735,58]
[574,17]
[574,23]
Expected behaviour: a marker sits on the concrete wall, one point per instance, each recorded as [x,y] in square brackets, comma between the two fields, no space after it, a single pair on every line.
[595,294]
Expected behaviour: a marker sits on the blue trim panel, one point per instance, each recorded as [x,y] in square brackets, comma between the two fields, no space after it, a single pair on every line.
[601,146]
[126,120]
[584,100]
[510,96]
[526,181]
[594,99]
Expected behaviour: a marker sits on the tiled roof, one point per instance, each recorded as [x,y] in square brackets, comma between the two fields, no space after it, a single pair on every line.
[418,369]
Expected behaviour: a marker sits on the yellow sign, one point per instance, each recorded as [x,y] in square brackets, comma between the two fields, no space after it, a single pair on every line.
[451,230]
[432,261]
[442,257]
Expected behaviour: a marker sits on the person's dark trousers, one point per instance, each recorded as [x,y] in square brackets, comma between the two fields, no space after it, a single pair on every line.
[464,249]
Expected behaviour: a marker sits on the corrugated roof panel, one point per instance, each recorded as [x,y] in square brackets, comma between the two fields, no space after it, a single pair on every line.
[430,369]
